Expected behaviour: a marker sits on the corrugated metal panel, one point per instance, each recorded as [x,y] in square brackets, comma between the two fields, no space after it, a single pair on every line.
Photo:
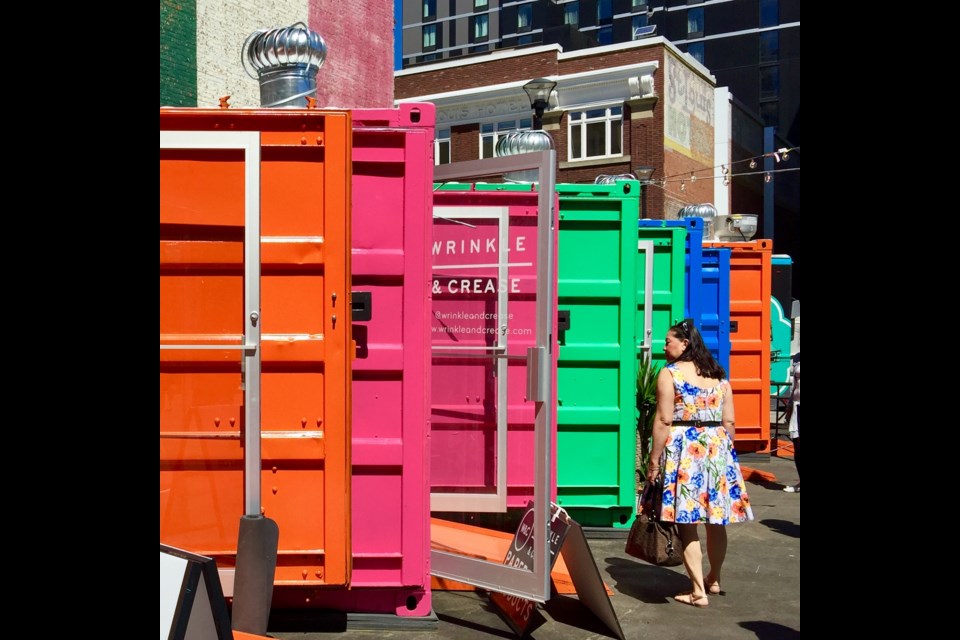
[305,392]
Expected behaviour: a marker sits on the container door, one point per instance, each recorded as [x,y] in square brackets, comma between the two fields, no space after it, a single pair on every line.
[492,288]
[210,352]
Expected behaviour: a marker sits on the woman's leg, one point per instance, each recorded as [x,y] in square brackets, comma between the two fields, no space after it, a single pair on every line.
[796,453]
[692,557]
[716,553]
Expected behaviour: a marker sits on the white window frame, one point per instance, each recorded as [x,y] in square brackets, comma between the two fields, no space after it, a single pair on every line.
[582,121]
[497,132]
[437,141]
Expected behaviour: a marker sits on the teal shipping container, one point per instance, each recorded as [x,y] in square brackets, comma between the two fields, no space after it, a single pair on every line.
[781,333]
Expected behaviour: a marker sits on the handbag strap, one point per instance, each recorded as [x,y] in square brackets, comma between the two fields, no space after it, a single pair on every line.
[652,498]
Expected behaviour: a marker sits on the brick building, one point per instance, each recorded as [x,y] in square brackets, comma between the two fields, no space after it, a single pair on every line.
[615,109]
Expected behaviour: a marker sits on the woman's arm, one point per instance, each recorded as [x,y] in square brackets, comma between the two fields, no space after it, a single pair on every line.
[727,416]
[662,423]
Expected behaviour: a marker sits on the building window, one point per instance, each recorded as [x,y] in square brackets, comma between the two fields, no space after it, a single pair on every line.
[429,37]
[478,28]
[695,49]
[769,82]
[441,147]
[605,35]
[597,133]
[571,13]
[770,113]
[479,4]
[769,46]
[491,132]
[524,17]
[695,23]
[429,9]
[604,11]
[769,13]
[637,23]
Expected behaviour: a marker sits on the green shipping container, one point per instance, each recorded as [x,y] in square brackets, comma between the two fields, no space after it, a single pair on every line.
[596,376]
[661,308]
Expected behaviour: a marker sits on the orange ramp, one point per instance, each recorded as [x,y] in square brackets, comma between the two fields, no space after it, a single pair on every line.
[486,544]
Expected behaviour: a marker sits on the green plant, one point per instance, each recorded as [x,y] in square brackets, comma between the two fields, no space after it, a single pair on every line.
[647,373]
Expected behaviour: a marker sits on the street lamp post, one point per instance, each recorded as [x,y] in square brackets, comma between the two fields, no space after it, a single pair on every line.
[539,90]
[643,174]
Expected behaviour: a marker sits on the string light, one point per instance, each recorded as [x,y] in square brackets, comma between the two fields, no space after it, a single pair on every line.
[662,182]
[783,153]
[683,186]
[726,181]
[767,177]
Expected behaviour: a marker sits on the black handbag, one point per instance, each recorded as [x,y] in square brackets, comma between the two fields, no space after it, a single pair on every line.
[650,539]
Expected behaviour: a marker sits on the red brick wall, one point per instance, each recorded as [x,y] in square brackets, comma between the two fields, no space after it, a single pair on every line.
[476,75]
[465,142]
[364,33]
[616,59]
[643,138]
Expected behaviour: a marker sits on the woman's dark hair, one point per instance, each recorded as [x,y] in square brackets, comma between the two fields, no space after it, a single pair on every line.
[697,351]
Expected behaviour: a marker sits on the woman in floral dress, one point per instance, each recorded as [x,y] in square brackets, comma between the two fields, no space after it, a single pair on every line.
[693,438]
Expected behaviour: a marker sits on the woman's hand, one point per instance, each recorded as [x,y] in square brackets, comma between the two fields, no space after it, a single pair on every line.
[653,472]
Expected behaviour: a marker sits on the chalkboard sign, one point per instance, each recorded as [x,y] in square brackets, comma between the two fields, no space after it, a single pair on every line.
[519,612]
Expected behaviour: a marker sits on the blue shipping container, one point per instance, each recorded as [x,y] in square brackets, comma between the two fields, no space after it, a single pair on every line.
[715,304]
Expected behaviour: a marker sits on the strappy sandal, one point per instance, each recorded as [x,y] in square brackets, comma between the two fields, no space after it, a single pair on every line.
[692,600]
[713,588]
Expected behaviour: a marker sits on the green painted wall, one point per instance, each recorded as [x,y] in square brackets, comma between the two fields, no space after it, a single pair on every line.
[178,53]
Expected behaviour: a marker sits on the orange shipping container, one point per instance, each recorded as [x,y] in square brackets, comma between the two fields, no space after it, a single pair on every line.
[750,340]
[255,325]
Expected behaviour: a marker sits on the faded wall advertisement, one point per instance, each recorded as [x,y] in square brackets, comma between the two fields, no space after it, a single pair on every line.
[688,97]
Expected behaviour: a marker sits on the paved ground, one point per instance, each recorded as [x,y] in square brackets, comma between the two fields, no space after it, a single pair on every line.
[761,581]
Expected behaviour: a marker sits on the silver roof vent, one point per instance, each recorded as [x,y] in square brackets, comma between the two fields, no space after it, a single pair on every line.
[286,62]
[517,142]
[706,211]
[604,178]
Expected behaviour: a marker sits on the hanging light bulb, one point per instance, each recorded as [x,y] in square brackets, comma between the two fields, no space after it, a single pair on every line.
[724,170]
[693,177]
[753,163]
[767,177]
[683,186]
[785,155]
[726,181]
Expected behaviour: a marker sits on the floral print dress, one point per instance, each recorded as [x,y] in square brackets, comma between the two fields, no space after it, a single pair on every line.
[702,478]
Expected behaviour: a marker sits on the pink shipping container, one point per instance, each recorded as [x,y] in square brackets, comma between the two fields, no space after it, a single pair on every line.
[392,201]
[484,314]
